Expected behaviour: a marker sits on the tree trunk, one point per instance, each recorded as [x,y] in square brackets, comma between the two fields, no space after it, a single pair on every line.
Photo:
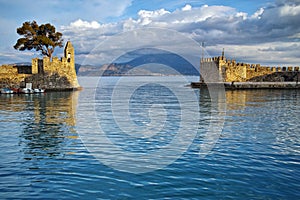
[49,53]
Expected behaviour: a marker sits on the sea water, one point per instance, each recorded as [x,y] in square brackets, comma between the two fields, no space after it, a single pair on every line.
[150,138]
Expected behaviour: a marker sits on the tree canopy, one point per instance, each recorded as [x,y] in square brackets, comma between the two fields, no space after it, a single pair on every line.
[42,38]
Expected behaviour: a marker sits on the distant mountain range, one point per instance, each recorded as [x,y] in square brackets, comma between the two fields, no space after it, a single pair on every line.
[150,65]
[22,64]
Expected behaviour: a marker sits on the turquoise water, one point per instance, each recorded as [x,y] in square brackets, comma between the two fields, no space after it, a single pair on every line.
[45,151]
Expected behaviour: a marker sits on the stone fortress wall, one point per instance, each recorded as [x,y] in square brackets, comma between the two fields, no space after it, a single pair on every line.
[58,74]
[9,76]
[232,71]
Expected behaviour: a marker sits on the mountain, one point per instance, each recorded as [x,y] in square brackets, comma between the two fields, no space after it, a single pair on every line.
[155,64]
[22,64]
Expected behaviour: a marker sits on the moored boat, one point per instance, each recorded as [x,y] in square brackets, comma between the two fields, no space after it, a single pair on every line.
[6,91]
[38,90]
[27,90]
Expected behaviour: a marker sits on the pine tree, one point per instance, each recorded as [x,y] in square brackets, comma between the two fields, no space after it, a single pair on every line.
[42,38]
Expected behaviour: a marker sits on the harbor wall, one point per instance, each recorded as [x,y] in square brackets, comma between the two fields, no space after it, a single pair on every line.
[231,71]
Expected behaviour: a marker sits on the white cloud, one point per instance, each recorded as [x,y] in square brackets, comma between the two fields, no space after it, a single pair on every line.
[287,10]
[129,24]
[242,15]
[187,7]
[85,24]
[267,54]
[152,14]
[216,25]
[257,14]
[59,13]
[146,17]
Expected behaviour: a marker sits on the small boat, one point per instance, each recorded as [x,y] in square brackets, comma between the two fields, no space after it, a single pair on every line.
[27,90]
[37,90]
[16,90]
[6,91]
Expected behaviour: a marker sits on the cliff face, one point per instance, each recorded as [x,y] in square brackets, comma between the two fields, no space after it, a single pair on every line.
[57,74]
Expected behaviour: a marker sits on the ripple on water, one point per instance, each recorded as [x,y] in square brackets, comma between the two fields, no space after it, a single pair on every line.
[256,156]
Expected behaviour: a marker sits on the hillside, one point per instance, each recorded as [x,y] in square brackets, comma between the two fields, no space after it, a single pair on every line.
[148,65]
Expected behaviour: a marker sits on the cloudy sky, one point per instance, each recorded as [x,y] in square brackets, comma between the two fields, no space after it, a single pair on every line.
[253,31]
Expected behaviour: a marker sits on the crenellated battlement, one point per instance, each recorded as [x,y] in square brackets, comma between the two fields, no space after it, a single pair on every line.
[50,74]
[228,70]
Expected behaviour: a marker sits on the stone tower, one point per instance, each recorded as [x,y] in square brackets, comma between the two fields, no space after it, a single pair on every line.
[70,54]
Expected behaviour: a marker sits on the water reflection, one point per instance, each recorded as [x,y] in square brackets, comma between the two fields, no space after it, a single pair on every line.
[47,121]
[239,99]
[257,155]
[259,116]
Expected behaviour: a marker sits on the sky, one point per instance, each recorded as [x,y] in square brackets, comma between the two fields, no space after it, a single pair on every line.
[251,31]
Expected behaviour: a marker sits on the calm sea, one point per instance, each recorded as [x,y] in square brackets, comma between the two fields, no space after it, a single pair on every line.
[150,138]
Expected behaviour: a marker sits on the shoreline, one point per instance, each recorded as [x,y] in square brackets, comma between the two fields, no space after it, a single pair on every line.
[63,89]
[44,91]
[248,85]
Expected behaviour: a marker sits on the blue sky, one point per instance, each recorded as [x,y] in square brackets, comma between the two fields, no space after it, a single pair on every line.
[254,31]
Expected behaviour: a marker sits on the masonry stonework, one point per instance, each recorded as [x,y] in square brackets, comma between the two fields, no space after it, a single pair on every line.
[220,69]
[58,74]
